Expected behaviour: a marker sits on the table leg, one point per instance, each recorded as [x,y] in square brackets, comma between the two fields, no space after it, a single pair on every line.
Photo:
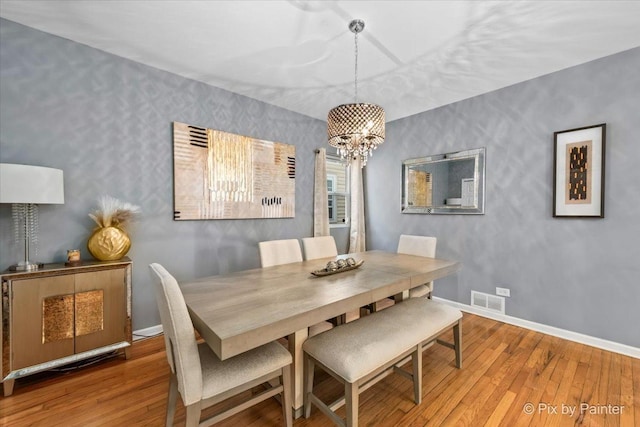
[297,370]
[7,386]
[401,296]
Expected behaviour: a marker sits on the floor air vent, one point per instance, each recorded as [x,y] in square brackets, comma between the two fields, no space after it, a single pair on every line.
[487,301]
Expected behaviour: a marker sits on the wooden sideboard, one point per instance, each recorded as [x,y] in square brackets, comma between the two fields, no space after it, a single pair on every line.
[61,314]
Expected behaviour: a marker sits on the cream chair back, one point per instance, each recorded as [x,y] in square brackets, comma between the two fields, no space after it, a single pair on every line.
[421,246]
[417,245]
[180,339]
[319,247]
[277,252]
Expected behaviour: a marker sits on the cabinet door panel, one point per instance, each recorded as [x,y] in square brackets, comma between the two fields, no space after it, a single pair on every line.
[42,320]
[100,314]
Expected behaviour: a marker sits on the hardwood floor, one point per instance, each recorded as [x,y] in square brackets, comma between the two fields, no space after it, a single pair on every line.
[506,371]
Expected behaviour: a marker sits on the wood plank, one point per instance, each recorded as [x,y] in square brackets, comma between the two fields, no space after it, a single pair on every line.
[577,386]
[612,418]
[636,390]
[501,409]
[603,389]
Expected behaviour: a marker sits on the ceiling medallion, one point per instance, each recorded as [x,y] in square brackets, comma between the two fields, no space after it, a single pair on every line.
[356,129]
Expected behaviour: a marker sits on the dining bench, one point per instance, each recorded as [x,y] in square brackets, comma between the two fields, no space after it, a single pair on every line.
[360,353]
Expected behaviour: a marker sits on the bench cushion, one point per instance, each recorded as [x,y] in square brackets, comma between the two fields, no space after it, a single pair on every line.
[360,347]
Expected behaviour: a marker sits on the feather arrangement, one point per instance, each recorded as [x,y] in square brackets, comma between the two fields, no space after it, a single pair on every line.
[112,212]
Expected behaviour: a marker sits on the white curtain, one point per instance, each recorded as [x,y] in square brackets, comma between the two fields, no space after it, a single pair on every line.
[357,241]
[320,196]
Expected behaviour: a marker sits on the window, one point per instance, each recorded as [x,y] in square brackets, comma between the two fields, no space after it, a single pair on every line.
[331,185]
[338,192]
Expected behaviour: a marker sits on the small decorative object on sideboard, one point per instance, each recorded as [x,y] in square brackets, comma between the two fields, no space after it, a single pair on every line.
[338,266]
[73,258]
[110,240]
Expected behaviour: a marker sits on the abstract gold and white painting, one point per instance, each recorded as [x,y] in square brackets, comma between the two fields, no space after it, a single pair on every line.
[221,175]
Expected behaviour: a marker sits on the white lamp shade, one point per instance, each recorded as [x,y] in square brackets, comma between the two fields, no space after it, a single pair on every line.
[31,184]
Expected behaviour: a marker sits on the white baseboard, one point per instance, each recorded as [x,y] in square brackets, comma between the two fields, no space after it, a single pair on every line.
[141,334]
[615,347]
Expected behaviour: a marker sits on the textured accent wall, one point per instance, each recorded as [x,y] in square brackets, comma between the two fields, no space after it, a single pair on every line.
[107,122]
[582,275]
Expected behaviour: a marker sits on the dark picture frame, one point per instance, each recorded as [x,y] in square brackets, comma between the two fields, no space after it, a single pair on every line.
[578,172]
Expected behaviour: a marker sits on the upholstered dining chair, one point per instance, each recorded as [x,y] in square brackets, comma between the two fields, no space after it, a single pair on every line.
[410,245]
[322,247]
[276,252]
[201,378]
[319,247]
[421,246]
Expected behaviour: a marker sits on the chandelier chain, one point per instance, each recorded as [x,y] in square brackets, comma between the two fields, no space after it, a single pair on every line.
[356,69]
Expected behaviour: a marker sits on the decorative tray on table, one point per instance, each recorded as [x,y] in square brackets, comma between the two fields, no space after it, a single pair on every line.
[339,266]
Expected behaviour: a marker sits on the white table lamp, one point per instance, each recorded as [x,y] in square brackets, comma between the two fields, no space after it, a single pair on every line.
[25,187]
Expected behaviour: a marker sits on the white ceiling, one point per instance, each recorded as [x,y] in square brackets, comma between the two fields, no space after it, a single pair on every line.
[299,55]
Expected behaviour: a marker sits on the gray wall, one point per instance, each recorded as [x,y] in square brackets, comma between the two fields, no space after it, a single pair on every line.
[106,122]
[582,275]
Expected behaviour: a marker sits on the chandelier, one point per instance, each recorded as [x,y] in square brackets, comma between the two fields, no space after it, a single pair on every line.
[356,129]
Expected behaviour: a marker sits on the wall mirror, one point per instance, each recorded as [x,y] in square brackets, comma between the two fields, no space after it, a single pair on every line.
[451,183]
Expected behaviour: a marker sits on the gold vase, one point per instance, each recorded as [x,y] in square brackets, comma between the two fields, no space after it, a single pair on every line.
[108,244]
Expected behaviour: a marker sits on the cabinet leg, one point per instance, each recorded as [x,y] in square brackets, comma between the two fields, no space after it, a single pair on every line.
[7,385]
[127,352]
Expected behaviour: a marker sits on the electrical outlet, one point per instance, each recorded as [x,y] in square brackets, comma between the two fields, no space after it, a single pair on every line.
[505,292]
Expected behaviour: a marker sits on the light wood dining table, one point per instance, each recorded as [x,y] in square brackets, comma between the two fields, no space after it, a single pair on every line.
[239,311]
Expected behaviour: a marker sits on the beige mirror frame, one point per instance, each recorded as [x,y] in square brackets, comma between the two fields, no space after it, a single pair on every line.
[451,183]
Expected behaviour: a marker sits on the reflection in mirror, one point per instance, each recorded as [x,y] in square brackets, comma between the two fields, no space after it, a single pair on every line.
[451,183]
